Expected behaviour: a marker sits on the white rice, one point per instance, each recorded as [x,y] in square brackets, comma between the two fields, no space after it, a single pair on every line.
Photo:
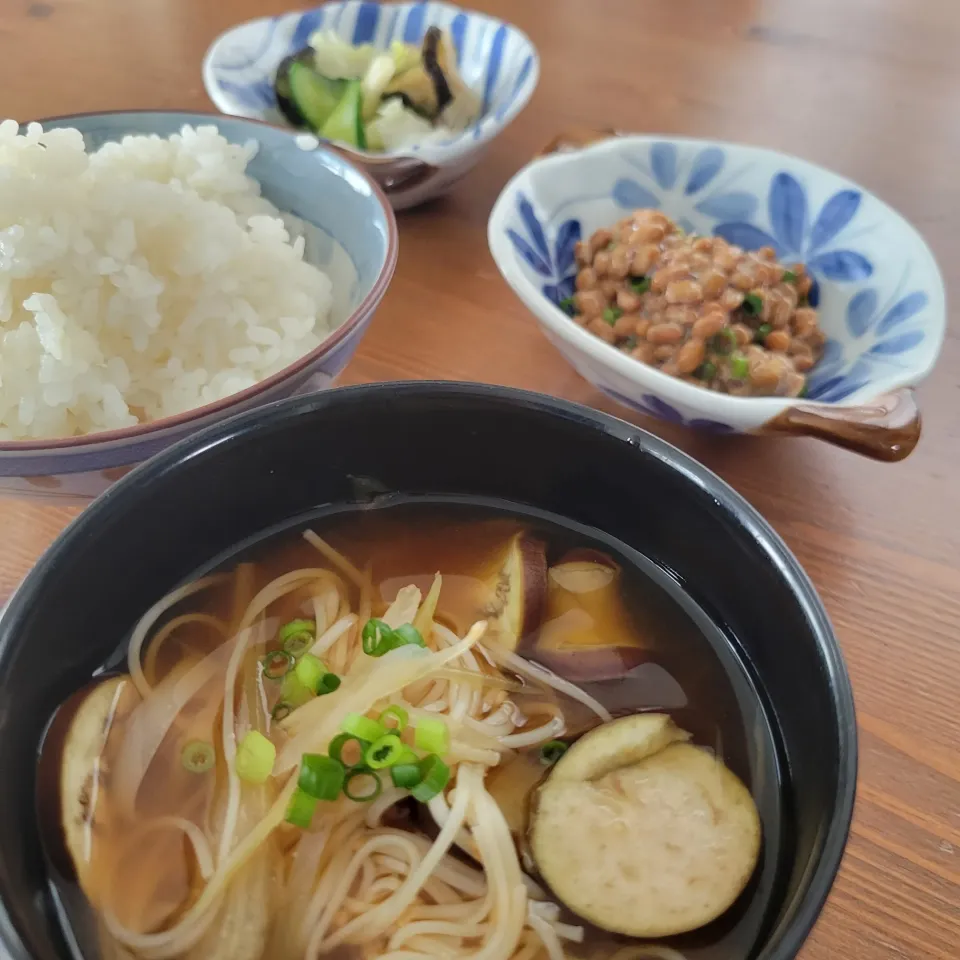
[142,280]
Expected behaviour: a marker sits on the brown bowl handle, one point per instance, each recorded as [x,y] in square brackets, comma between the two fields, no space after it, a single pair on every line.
[576,138]
[887,429]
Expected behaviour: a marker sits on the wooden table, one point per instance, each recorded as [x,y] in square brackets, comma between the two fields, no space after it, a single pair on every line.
[870,88]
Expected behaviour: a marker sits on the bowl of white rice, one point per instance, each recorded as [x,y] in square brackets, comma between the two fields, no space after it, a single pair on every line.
[160,271]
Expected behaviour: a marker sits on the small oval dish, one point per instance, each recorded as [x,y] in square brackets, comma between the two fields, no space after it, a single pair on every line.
[878,290]
[496,60]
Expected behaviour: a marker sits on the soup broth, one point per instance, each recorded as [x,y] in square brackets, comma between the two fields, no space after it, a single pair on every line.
[633,642]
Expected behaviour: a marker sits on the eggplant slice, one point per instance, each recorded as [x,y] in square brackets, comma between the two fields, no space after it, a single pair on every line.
[517,591]
[642,834]
[425,88]
[619,743]
[588,633]
[433,87]
[72,774]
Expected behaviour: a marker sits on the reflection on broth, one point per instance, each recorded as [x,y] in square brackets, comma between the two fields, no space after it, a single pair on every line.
[399,732]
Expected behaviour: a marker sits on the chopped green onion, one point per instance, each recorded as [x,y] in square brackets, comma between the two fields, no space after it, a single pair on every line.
[379,638]
[568,306]
[198,756]
[357,725]
[294,627]
[789,276]
[298,644]
[725,340]
[432,735]
[310,671]
[281,711]
[405,775]
[407,634]
[612,315]
[753,303]
[315,677]
[328,683]
[293,691]
[277,664]
[396,713]
[340,741]
[803,391]
[407,756]
[640,284]
[763,331]
[435,775]
[384,752]
[552,751]
[255,757]
[373,635]
[369,788]
[297,636]
[300,809]
[707,371]
[739,366]
[321,777]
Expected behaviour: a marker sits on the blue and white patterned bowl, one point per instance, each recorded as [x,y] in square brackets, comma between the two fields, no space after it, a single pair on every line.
[495,59]
[352,235]
[879,291]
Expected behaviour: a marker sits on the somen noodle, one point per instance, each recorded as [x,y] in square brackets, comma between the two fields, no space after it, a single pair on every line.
[352,878]
[303,768]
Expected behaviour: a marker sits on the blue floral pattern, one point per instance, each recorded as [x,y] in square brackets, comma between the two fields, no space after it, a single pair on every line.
[876,284]
[655,407]
[880,335]
[682,188]
[560,268]
[791,235]
[794,238]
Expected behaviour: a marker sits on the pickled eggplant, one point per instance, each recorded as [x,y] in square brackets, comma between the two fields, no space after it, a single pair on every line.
[406,93]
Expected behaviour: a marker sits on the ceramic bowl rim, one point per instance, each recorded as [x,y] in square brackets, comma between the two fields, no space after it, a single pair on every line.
[446,155]
[337,336]
[820,879]
[647,377]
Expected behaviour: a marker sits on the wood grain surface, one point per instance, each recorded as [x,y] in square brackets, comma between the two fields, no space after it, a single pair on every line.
[870,88]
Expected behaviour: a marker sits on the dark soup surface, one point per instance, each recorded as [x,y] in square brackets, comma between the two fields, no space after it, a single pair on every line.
[427,728]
